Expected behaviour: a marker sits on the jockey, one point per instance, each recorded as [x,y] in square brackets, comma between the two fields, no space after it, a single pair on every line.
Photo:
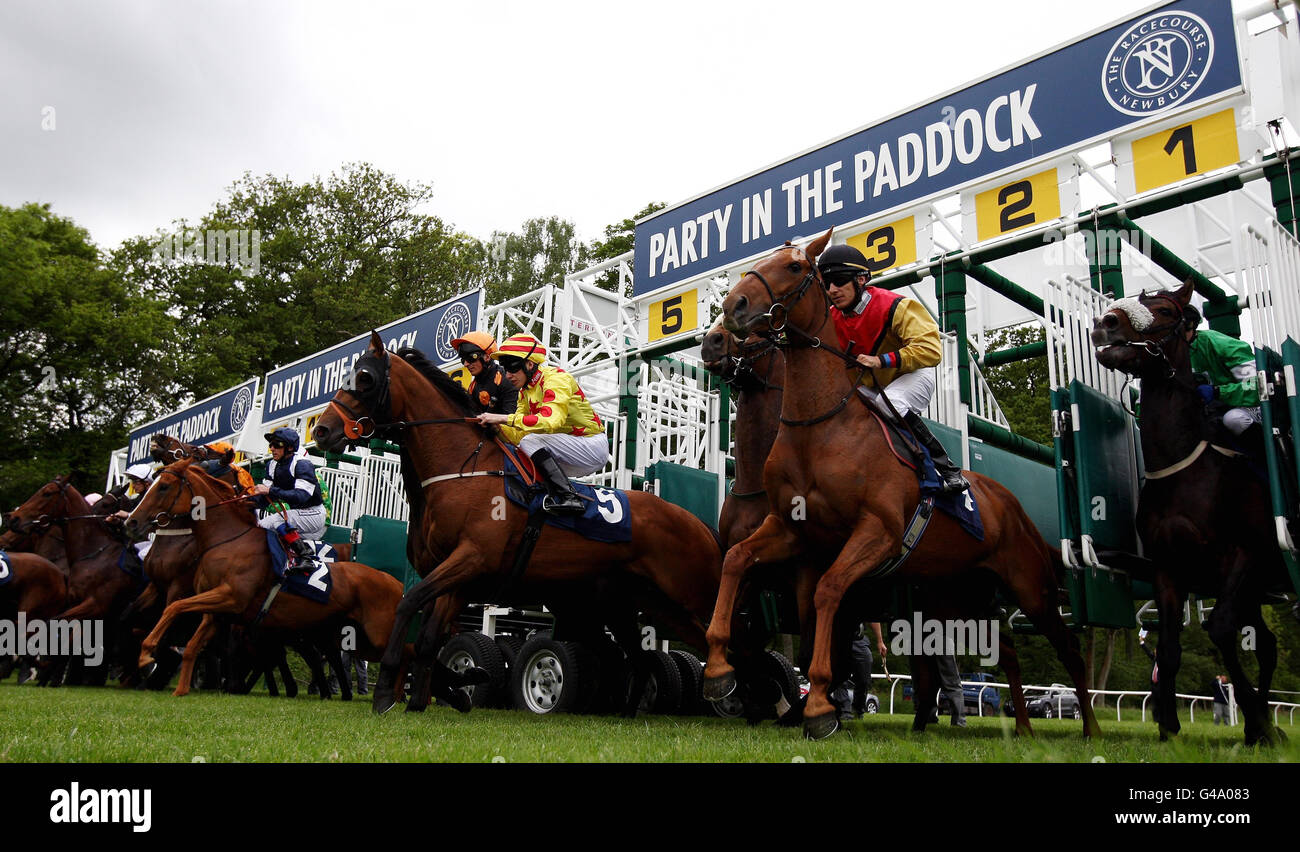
[553,425]
[896,339]
[138,477]
[216,465]
[490,390]
[1228,365]
[291,487]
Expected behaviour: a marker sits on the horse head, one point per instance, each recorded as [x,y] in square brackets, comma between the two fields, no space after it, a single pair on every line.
[380,390]
[54,500]
[166,499]
[1143,335]
[770,296]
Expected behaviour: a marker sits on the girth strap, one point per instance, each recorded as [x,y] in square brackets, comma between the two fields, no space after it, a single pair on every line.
[1189,461]
[911,538]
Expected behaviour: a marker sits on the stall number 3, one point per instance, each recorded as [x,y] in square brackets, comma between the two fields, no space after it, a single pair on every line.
[608,506]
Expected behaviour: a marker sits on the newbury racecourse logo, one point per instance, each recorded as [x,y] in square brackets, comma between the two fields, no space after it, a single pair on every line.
[239,408]
[455,322]
[1158,62]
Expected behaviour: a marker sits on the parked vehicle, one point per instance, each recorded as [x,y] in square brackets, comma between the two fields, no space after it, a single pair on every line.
[974,693]
[1057,702]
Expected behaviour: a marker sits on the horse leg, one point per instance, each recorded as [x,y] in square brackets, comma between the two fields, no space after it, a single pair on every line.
[1266,656]
[463,563]
[1169,654]
[432,678]
[869,545]
[335,658]
[1010,662]
[207,627]
[1225,623]
[220,599]
[771,542]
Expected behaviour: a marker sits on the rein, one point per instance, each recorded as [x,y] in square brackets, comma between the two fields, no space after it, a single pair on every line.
[353,428]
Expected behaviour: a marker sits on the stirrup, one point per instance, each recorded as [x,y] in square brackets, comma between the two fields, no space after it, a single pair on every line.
[563,505]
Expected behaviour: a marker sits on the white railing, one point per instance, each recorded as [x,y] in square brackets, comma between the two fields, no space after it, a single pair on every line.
[345,494]
[382,492]
[1272,284]
[1072,306]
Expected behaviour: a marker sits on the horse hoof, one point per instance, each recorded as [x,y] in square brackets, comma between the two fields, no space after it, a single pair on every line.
[472,677]
[718,688]
[460,700]
[415,706]
[383,702]
[821,727]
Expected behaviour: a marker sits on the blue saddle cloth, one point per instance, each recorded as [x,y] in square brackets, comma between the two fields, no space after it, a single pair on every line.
[315,586]
[608,516]
[961,506]
[6,569]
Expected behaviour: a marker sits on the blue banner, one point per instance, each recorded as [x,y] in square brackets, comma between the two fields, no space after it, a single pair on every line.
[215,418]
[311,382]
[1160,61]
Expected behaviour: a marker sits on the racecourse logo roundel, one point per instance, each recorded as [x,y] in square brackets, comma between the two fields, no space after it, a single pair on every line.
[455,322]
[239,408]
[1157,63]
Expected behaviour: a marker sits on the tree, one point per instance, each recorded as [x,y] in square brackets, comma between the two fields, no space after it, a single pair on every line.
[543,252]
[1021,387]
[329,259]
[619,239]
[83,354]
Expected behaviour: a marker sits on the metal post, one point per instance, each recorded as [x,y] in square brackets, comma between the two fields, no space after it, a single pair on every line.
[1104,264]
[950,291]
[1284,187]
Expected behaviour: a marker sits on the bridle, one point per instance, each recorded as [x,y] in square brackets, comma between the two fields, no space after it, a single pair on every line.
[44,521]
[362,426]
[1156,348]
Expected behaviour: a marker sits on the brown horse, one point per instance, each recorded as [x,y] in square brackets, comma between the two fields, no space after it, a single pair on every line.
[97,587]
[670,566]
[825,511]
[234,575]
[33,585]
[755,368]
[1207,527]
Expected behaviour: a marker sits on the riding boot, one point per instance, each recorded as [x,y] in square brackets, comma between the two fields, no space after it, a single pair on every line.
[560,496]
[953,481]
[302,556]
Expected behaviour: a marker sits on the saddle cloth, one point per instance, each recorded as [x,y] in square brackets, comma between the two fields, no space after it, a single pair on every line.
[961,507]
[6,569]
[314,586]
[607,517]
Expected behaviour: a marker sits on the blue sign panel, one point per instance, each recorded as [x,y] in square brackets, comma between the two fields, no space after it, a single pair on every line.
[1163,60]
[215,418]
[311,382]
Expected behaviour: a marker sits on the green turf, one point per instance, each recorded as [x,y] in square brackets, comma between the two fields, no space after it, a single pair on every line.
[113,725]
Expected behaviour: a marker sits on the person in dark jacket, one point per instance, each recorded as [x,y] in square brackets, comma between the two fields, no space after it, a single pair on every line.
[291,498]
[490,390]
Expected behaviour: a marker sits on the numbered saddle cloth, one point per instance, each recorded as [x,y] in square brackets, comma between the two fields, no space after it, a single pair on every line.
[6,569]
[315,585]
[607,517]
[961,506]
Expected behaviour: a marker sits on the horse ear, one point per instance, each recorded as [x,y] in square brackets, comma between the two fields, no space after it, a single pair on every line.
[376,344]
[227,457]
[1184,293]
[817,246]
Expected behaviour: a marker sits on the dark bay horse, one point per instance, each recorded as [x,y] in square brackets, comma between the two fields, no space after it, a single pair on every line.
[826,510]
[234,574]
[97,587]
[33,585]
[755,368]
[1205,520]
[466,549]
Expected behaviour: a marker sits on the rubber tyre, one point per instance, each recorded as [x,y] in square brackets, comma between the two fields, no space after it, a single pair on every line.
[663,690]
[873,705]
[480,651]
[1078,712]
[554,677]
[691,672]
[782,671]
[1049,713]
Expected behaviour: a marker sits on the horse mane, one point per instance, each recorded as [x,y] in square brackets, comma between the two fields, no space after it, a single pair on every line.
[440,380]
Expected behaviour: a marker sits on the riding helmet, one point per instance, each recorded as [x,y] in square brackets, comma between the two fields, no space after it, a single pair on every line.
[475,344]
[1191,317]
[285,434]
[842,261]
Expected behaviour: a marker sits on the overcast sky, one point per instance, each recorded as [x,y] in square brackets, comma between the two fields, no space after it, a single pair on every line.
[509,109]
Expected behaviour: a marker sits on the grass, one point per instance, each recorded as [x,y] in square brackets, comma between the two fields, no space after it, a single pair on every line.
[78,724]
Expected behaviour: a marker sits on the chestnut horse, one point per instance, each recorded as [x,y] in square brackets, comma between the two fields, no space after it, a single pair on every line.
[1207,526]
[755,368]
[234,574]
[466,550]
[849,520]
